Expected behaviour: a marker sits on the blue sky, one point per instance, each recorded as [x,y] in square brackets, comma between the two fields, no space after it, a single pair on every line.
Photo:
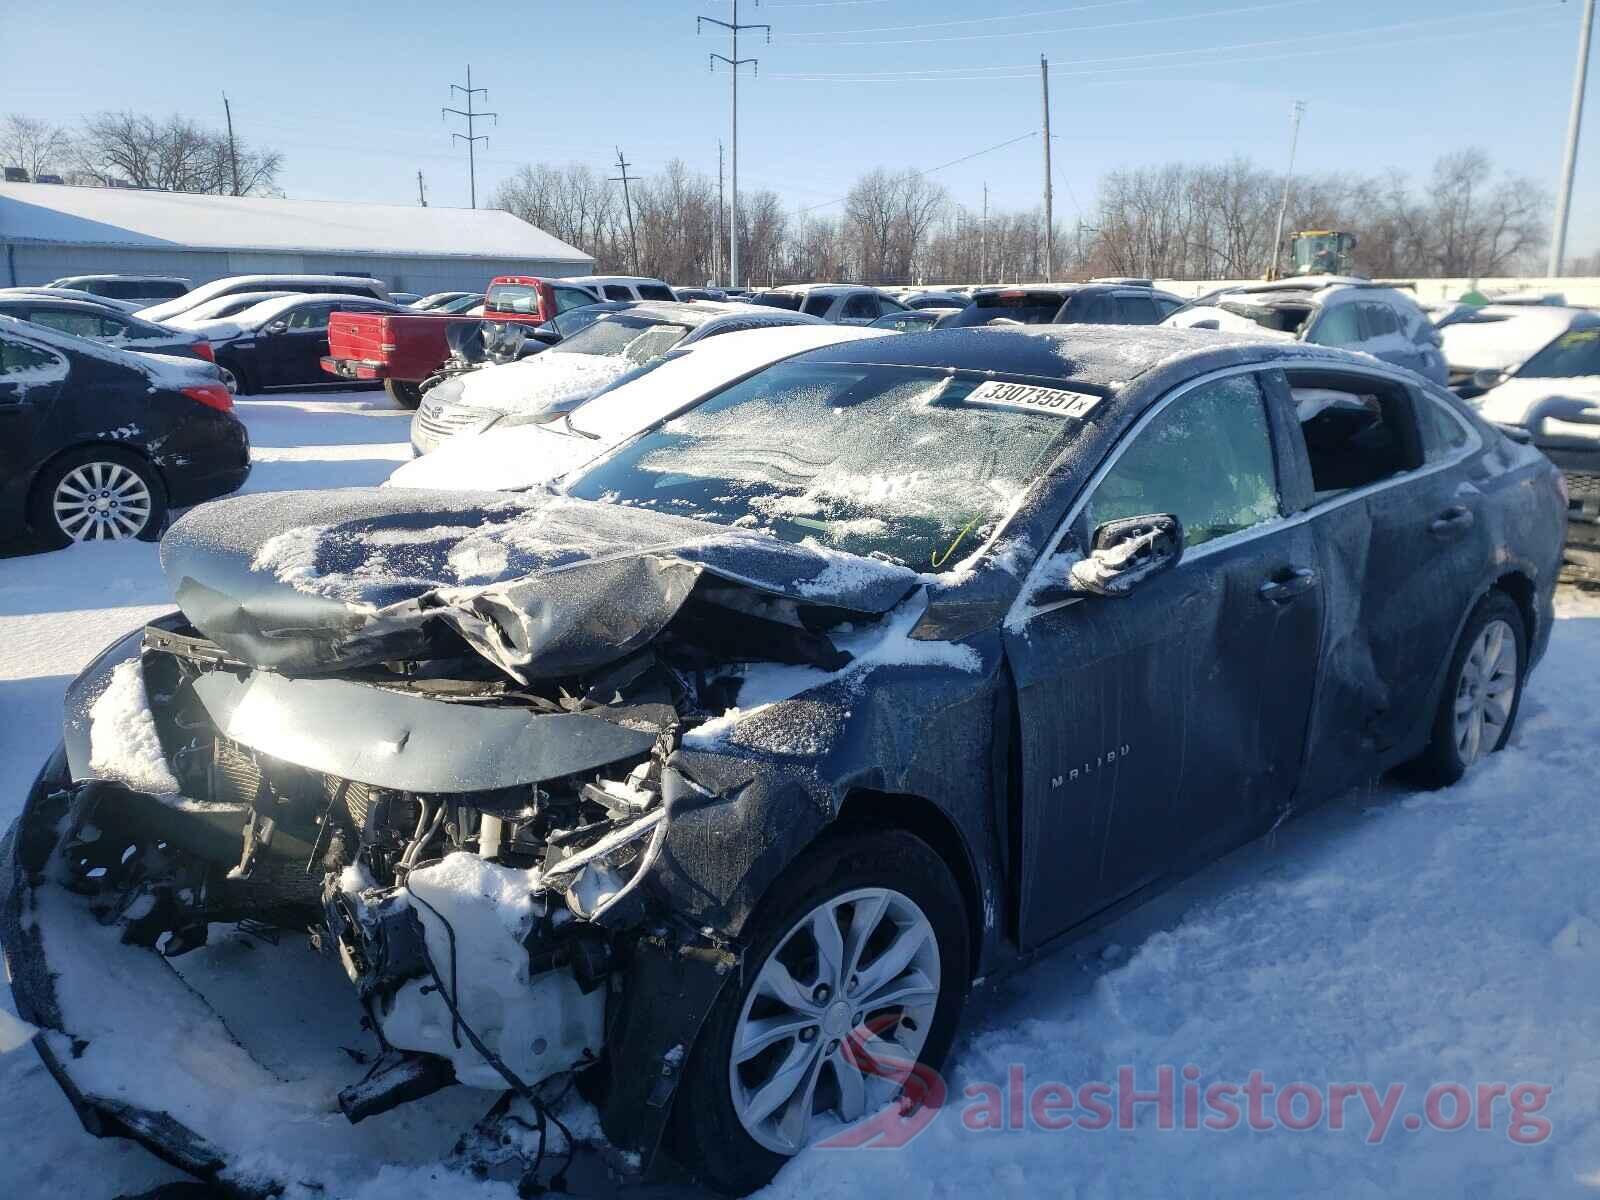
[351,93]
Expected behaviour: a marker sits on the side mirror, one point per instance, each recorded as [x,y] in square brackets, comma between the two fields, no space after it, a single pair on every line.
[275,327]
[1127,552]
[1488,378]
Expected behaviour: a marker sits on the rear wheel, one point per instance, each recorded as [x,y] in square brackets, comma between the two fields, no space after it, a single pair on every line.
[860,953]
[98,494]
[244,383]
[1481,695]
[403,392]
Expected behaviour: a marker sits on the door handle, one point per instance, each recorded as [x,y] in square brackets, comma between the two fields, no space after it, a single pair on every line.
[1287,584]
[1454,520]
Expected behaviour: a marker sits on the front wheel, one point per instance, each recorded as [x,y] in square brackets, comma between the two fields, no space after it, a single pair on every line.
[856,970]
[403,392]
[1482,692]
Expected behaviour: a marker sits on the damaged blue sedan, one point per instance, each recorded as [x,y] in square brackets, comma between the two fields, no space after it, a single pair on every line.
[716,776]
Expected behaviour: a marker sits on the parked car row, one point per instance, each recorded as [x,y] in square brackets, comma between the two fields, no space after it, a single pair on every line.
[792,680]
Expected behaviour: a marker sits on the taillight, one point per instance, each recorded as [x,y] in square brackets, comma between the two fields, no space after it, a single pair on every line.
[386,342]
[202,349]
[212,395]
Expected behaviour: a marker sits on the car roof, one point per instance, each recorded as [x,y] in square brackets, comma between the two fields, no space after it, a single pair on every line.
[69,304]
[633,279]
[694,314]
[826,288]
[1106,357]
[265,310]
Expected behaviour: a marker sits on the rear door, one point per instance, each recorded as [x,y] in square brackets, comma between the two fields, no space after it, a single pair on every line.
[1162,726]
[1136,307]
[30,378]
[294,356]
[1401,532]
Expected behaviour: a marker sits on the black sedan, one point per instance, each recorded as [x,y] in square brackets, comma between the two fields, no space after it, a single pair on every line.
[99,323]
[281,343]
[722,773]
[96,444]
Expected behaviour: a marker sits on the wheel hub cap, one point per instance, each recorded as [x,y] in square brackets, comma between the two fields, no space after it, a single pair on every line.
[1486,692]
[101,501]
[855,982]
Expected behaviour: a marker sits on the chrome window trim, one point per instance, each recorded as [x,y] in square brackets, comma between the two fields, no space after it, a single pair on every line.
[1015,615]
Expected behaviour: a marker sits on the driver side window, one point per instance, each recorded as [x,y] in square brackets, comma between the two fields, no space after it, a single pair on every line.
[1206,458]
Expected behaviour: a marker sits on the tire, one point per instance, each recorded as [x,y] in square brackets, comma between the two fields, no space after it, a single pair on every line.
[98,493]
[403,392]
[244,381]
[1485,685]
[845,872]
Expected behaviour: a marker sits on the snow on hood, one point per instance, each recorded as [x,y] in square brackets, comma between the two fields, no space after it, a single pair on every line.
[540,585]
[1551,403]
[543,382]
[526,455]
[1504,344]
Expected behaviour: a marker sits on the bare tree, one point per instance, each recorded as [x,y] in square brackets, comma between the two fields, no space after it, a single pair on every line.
[36,146]
[176,155]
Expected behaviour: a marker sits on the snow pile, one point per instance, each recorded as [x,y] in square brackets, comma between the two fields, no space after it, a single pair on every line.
[123,743]
[1502,338]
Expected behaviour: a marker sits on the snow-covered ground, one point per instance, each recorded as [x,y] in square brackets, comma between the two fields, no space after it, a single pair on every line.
[1391,939]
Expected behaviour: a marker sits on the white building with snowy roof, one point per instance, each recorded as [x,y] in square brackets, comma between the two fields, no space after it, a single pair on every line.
[51,230]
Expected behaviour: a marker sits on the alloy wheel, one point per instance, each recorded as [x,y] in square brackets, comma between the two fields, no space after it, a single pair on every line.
[101,501]
[854,980]
[1485,692]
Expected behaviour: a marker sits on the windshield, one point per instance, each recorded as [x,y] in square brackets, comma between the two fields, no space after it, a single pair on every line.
[522,298]
[459,305]
[637,338]
[894,462]
[1026,307]
[1574,353]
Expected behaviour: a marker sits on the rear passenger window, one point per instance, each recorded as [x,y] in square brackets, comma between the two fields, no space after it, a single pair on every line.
[1380,320]
[655,291]
[615,291]
[1443,433]
[24,364]
[83,324]
[1206,458]
[1137,310]
[817,306]
[1355,430]
[568,299]
[1336,327]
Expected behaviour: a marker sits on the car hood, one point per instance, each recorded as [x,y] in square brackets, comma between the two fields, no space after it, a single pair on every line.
[1567,409]
[542,586]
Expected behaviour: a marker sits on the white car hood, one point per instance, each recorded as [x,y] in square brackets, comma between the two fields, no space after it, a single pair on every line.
[519,456]
[1514,403]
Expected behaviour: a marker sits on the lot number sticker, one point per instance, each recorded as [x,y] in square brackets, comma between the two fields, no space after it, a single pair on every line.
[1033,399]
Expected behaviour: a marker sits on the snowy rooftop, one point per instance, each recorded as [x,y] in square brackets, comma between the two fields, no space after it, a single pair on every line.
[93,216]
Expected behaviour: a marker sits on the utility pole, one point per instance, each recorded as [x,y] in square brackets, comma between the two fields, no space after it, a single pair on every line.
[233,152]
[1296,111]
[734,63]
[1569,164]
[627,203]
[422,197]
[983,238]
[1049,192]
[721,255]
[471,137]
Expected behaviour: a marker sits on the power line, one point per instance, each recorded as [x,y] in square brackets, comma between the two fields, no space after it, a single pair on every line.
[627,201]
[734,63]
[471,137]
[1043,12]
[984,37]
[980,72]
[919,174]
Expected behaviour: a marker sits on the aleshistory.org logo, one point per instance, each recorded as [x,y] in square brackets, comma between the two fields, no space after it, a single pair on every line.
[1182,1099]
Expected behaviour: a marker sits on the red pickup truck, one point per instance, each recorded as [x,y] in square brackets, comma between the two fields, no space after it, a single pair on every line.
[403,349]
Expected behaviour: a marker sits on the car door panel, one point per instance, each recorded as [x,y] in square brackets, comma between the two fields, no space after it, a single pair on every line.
[1401,559]
[1160,726]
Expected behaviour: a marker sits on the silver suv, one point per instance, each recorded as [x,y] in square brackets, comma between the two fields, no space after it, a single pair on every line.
[1327,310]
